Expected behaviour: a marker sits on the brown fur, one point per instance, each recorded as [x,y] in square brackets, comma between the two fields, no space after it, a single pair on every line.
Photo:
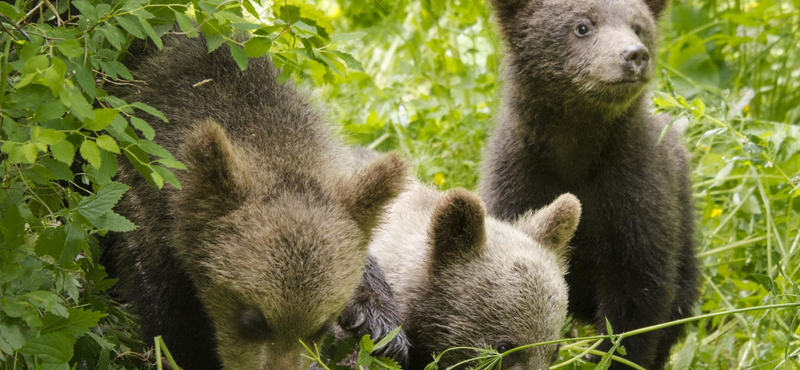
[463,279]
[266,243]
[575,118]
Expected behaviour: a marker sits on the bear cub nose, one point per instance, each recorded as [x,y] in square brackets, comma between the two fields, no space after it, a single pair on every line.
[636,56]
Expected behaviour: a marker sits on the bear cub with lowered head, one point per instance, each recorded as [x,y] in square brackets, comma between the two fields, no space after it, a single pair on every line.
[267,241]
[575,118]
[461,278]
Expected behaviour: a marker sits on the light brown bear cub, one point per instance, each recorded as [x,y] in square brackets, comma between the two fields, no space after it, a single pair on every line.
[266,243]
[461,278]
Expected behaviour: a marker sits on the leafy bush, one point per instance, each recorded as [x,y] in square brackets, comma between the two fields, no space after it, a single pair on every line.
[426,85]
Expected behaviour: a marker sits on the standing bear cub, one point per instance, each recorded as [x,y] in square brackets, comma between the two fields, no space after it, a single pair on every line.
[574,118]
[267,241]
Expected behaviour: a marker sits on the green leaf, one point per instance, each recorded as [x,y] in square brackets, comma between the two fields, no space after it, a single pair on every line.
[154,149]
[114,222]
[238,55]
[97,208]
[168,176]
[171,163]
[58,170]
[157,179]
[52,349]
[103,201]
[257,47]
[150,110]
[367,344]
[388,338]
[185,24]
[129,24]
[609,329]
[113,35]
[151,32]
[86,81]
[49,136]
[662,100]
[75,325]
[91,153]
[62,243]
[29,152]
[10,11]
[248,5]
[63,151]
[70,48]
[86,9]
[698,109]
[351,62]
[144,127]
[50,111]
[304,30]
[213,38]
[103,118]
[108,143]
[11,338]
[366,347]
[766,282]
[36,64]
[605,361]
[78,106]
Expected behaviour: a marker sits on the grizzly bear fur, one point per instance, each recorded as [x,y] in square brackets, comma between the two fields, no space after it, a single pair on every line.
[575,118]
[266,243]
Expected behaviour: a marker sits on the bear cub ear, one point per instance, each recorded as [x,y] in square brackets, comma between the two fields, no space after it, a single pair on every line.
[216,174]
[368,192]
[656,6]
[458,225]
[507,9]
[554,224]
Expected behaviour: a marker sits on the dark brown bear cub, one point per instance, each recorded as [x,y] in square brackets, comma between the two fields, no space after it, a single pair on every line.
[575,119]
[266,243]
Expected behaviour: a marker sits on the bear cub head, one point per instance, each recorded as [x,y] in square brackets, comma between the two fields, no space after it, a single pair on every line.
[275,251]
[599,52]
[495,283]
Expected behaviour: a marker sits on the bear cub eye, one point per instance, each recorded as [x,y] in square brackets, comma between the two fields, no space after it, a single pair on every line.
[637,29]
[582,30]
[505,347]
[253,325]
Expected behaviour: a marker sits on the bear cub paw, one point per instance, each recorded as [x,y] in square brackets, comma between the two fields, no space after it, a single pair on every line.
[373,311]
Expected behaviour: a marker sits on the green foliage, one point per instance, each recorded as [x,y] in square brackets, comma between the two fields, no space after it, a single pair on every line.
[336,353]
[421,77]
[60,137]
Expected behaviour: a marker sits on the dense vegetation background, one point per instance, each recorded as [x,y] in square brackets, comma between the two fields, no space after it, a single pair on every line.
[420,77]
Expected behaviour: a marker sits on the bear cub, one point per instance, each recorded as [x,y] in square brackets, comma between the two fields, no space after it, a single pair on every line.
[575,118]
[461,278]
[267,241]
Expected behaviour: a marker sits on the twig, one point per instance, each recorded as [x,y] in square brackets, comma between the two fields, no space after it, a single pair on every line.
[15,26]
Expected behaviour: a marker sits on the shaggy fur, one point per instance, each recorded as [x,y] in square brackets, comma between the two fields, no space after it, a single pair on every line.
[575,118]
[463,279]
[266,243]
